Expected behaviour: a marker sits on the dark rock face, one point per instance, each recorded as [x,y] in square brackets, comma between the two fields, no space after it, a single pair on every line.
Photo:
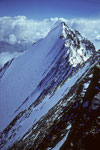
[84,116]
[94,86]
[85,132]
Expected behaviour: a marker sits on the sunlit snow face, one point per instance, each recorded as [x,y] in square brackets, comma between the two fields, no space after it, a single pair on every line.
[18,29]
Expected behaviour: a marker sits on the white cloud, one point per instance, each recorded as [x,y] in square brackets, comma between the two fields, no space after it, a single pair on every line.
[12,39]
[20,29]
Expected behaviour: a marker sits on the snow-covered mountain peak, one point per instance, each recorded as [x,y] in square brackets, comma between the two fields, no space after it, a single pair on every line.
[61,29]
[37,80]
[79,48]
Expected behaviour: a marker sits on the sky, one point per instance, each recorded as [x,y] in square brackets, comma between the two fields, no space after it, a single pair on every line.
[41,9]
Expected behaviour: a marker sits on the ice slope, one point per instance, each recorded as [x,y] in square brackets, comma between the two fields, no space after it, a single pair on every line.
[35,81]
[25,73]
[24,123]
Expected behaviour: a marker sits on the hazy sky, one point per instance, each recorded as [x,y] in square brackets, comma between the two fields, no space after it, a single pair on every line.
[40,9]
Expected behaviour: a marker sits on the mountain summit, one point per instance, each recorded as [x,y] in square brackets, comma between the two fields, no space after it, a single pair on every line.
[38,84]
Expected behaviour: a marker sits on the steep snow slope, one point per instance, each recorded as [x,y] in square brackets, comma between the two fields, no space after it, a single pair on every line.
[39,79]
[25,73]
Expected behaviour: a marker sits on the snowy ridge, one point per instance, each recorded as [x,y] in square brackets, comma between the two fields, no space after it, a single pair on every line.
[36,81]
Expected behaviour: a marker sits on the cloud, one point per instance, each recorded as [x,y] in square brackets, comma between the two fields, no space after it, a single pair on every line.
[20,29]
